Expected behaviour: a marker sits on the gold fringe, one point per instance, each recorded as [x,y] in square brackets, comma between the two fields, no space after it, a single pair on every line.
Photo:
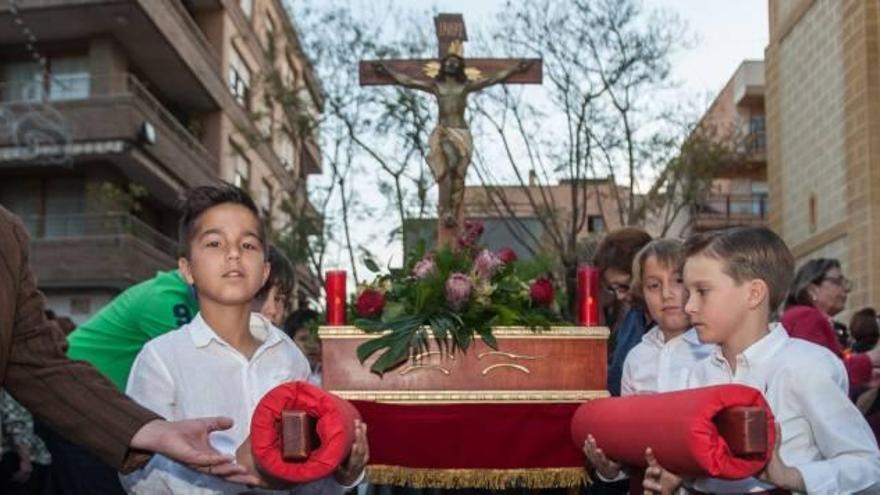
[493,479]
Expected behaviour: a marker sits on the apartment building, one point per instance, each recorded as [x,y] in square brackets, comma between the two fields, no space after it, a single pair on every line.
[109,109]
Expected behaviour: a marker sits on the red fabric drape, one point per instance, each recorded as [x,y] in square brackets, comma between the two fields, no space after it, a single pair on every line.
[471,436]
[679,428]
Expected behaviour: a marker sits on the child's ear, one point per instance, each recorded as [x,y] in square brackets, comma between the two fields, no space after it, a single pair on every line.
[185,270]
[758,293]
[267,268]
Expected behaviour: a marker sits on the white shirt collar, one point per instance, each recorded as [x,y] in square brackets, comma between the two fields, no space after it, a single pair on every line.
[202,334]
[761,351]
[655,337]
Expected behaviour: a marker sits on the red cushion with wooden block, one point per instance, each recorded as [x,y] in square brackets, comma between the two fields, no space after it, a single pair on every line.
[334,424]
[685,429]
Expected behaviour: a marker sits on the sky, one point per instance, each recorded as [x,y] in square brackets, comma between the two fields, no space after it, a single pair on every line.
[722,34]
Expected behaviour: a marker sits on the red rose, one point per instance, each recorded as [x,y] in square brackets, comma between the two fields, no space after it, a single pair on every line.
[370,303]
[541,292]
[507,255]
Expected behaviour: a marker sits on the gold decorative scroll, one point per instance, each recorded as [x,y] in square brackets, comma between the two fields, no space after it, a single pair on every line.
[500,333]
[493,479]
[471,396]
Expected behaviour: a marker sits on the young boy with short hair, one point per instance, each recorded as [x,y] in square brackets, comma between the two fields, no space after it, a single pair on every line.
[735,278]
[227,358]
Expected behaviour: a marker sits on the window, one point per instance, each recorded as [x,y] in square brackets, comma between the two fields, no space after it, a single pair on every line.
[21,81]
[757,133]
[266,200]
[595,223]
[67,79]
[239,78]
[269,41]
[285,150]
[242,172]
[247,6]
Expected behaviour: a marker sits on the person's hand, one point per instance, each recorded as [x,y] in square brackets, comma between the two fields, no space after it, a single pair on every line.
[25,466]
[657,479]
[606,468]
[777,473]
[245,457]
[349,471]
[187,442]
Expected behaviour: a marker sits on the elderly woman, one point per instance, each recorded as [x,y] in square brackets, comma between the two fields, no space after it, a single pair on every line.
[819,292]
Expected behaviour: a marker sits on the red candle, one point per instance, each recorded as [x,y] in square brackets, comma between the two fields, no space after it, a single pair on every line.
[334,286]
[588,295]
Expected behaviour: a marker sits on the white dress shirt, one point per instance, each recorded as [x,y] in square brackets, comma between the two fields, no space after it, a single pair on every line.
[655,365]
[191,373]
[823,434]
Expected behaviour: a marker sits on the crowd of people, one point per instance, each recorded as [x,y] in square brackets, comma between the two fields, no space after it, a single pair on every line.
[722,307]
[729,307]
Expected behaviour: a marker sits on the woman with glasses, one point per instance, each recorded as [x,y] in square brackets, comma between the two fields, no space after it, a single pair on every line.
[819,292]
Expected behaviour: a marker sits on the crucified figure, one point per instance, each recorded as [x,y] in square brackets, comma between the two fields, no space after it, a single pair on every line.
[451,144]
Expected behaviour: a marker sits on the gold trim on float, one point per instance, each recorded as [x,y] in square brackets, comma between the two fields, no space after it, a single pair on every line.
[493,479]
[470,396]
[352,332]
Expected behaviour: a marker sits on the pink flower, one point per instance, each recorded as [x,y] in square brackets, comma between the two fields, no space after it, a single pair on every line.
[370,303]
[541,292]
[486,264]
[458,290]
[424,268]
[470,234]
[507,255]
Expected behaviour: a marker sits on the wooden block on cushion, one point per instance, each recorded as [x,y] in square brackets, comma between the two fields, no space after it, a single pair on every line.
[744,429]
[298,435]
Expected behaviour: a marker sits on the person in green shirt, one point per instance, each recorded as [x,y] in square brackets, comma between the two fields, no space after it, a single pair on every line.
[112,338]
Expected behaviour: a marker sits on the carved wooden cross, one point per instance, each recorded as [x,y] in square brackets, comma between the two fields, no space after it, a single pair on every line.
[451,143]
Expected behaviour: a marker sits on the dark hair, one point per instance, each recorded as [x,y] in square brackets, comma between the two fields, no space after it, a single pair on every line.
[280,275]
[618,249]
[748,253]
[299,320]
[865,329]
[812,273]
[200,199]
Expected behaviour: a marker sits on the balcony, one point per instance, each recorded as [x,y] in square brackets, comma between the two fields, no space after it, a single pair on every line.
[729,210]
[113,117]
[112,250]
[159,38]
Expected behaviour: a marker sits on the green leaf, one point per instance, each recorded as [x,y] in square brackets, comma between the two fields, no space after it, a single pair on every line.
[485,333]
[371,265]
[393,310]
[369,347]
[396,354]
[370,326]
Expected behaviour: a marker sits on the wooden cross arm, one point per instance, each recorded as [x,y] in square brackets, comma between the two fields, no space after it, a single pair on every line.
[415,68]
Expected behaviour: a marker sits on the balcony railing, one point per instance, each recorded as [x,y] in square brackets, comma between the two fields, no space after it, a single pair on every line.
[732,208]
[86,87]
[100,225]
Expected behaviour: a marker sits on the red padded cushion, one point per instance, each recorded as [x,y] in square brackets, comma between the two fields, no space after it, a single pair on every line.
[677,426]
[335,426]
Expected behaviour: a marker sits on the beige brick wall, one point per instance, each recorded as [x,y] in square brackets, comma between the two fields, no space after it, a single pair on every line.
[811,132]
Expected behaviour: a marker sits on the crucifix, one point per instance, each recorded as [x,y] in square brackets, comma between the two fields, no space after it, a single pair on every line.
[450,78]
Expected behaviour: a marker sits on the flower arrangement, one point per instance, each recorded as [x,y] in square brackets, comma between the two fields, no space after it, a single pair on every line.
[451,295]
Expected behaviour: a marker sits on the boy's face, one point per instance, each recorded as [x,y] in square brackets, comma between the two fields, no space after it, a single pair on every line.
[227,262]
[274,306]
[716,304]
[664,295]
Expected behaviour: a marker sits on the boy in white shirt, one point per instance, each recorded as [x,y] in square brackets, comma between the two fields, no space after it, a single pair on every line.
[227,358]
[734,279]
[663,359]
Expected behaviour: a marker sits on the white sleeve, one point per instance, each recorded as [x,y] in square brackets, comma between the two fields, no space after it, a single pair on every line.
[323,486]
[851,460]
[150,383]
